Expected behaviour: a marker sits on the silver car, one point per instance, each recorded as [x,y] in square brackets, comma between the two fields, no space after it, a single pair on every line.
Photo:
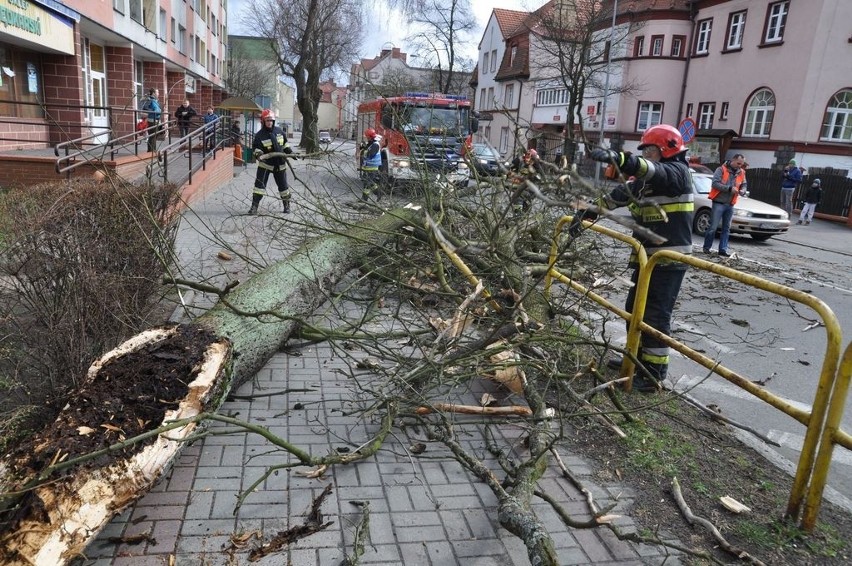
[324,136]
[756,218]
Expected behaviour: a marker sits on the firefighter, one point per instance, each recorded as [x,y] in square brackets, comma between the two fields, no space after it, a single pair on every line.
[270,139]
[371,162]
[660,199]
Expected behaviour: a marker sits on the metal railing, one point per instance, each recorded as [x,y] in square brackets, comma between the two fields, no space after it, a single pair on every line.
[823,420]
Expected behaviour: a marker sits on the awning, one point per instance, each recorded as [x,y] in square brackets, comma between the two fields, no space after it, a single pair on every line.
[239,103]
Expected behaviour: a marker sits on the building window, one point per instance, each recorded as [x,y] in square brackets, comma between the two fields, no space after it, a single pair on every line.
[136,10]
[736,27]
[119,6]
[482,99]
[759,114]
[776,19]
[657,45]
[174,30]
[551,97]
[509,96]
[504,140]
[677,45]
[17,83]
[837,125]
[491,98]
[485,63]
[181,39]
[512,54]
[706,111]
[161,33]
[493,60]
[639,47]
[689,110]
[606,49]
[702,38]
[650,114]
[723,114]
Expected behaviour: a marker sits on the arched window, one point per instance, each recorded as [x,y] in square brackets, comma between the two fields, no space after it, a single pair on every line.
[759,114]
[837,125]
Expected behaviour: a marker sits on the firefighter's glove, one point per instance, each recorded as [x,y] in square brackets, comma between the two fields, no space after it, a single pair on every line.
[257,153]
[608,156]
[576,226]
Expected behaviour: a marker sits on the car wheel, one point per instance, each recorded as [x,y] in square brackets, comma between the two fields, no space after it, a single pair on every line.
[761,237]
[701,221]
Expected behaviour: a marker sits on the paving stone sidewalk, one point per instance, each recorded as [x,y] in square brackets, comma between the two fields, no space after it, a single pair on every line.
[425,509]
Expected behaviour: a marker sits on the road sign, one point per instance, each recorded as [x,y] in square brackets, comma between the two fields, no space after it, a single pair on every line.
[687,129]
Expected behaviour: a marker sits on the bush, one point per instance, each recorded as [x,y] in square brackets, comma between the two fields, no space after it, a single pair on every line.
[80,271]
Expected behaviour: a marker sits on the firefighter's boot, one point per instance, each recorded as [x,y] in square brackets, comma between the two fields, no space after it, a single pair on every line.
[286,203]
[255,202]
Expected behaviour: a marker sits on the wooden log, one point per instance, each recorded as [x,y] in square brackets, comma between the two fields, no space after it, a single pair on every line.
[512,410]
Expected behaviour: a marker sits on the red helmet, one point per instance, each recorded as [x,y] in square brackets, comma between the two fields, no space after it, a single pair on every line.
[267,114]
[370,133]
[666,137]
[530,155]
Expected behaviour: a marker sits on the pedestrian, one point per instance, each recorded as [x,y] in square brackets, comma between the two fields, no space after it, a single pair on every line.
[662,185]
[152,106]
[184,115]
[236,134]
[270,139]
[792,178]
[812,198]
[371,164]
[523,167]
[210,120]
[729,183]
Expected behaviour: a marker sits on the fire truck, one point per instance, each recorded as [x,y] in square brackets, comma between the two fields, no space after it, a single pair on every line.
[422,135]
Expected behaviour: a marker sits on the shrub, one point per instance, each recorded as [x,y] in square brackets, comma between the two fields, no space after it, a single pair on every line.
[80,271]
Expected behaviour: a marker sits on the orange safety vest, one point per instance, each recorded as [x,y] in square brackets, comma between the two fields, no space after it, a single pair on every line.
[738,182]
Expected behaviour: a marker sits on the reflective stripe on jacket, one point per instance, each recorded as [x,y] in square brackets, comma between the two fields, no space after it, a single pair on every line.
[271,141]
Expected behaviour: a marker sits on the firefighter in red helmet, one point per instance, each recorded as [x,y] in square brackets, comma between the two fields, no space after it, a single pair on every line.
[270,143]
[660,199]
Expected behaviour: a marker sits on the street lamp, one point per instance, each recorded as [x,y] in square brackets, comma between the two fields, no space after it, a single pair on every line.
[606,83]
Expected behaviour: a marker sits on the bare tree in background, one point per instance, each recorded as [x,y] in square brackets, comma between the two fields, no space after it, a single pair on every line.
[443,28]
[575,43]
[248,77]
[310,38]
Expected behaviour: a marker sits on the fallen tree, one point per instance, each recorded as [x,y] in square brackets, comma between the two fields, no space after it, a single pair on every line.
[51,509]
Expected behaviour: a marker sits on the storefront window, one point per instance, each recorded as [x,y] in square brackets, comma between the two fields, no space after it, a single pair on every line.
[20,82]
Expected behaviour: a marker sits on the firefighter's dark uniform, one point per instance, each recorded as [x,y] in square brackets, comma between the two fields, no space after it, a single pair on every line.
[270,140]
[666,184]
[371,163]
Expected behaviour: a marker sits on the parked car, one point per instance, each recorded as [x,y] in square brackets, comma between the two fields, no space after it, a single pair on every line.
[324,136]
[756,218]
[485,161]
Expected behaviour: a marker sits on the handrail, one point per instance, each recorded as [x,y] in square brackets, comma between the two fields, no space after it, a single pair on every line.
[822,422]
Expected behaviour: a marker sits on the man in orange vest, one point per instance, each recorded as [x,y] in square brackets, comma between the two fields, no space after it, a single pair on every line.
[729,182]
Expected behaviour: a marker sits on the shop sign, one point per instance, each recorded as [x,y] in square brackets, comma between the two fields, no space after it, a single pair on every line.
[30,22]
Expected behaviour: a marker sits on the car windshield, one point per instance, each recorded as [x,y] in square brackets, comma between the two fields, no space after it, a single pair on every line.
[485,152]
[702,184]
[432,120]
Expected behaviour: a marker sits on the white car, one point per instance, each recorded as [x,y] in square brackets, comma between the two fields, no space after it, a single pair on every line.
[324,136]
[756,218]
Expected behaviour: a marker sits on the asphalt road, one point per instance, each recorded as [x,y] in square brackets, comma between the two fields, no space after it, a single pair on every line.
[762,336]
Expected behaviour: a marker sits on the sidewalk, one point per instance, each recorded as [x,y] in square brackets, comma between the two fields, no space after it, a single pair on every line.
[424,509]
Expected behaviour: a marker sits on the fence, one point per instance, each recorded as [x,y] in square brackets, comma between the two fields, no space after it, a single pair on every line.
[765,185]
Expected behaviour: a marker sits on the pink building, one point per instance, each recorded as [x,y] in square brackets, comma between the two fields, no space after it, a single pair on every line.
[79,67]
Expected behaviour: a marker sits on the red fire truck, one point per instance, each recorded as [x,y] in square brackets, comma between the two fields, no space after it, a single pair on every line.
[422,135]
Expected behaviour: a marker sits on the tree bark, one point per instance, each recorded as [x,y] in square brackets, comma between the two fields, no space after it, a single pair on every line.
[55,520]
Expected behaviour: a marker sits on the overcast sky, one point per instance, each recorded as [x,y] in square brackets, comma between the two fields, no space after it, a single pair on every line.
[385,26]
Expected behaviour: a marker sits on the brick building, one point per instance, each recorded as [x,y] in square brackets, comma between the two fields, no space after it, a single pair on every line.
[79,67]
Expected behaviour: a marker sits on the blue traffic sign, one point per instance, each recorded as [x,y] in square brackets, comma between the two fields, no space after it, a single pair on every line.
[687,129]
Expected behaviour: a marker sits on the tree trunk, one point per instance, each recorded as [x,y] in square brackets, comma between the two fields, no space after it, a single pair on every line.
[56,520]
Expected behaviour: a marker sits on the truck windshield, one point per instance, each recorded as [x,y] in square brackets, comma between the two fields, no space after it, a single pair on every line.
[432,120]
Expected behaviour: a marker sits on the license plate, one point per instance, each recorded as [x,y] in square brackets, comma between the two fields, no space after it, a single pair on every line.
[767,226]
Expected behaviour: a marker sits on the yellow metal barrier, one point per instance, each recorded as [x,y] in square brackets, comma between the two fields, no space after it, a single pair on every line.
[822,423]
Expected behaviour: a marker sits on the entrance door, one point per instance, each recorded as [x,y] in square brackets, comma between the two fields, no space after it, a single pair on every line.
[96,92]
